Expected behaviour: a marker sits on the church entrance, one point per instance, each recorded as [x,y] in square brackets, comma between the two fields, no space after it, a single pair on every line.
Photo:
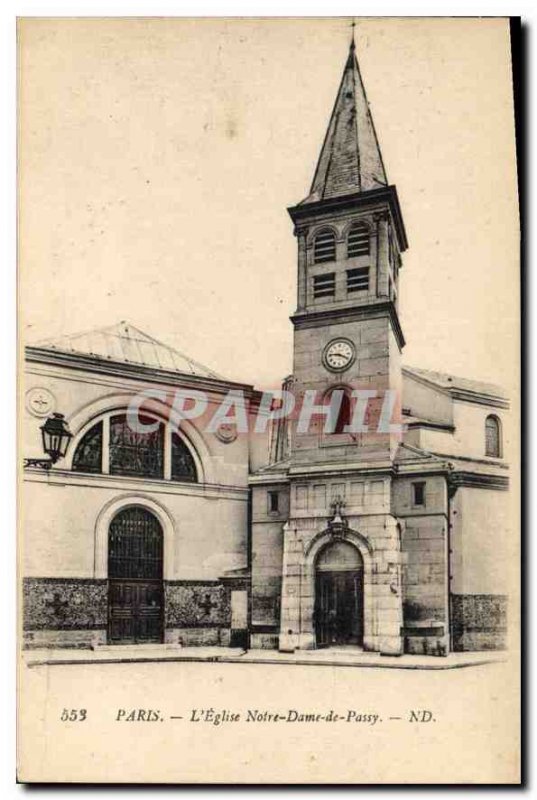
[339,596]
[135,587]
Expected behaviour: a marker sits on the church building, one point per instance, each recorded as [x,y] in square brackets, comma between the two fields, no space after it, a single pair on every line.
[389,538]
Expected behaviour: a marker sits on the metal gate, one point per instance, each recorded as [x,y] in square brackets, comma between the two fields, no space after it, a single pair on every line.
[135,590]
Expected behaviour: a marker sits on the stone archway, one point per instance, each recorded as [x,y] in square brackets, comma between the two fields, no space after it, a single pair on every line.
[297,629]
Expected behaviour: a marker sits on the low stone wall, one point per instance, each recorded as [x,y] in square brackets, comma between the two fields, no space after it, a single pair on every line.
[479,621]
[62,604]
[196,604]
[73,612]
[59,639]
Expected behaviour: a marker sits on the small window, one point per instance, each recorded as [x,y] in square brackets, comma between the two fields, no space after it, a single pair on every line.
[358,280]
[273,502]
[418,494]
[493,445]
[358,241]
[324,248]
[344,415]
[324,285]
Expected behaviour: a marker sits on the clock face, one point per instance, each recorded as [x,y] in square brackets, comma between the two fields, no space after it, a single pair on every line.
[339,354]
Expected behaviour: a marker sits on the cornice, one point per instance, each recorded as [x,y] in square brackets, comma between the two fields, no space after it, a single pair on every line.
[386,194]
[139,372]
[315,319]
[478,481]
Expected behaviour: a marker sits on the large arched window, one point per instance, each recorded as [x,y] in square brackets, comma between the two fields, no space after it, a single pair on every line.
[324,247]
[493,443]
[358,240]
[112,446]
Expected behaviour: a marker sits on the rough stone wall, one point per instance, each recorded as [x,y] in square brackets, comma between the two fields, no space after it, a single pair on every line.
[196,604]
[64,603]
[73,612]
[479,621]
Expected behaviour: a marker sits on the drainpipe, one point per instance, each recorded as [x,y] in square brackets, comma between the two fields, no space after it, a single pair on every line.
[450,490]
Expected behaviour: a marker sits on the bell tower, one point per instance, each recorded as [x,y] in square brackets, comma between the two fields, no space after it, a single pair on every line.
[341,560]
[350,235]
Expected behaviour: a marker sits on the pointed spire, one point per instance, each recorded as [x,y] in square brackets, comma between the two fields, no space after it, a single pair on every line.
[350,159]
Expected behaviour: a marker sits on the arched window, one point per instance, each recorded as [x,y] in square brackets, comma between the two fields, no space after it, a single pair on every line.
[358,240]
[183,465]
[88,456]
[344,413]
[324,247]
[135,452]
[493,444]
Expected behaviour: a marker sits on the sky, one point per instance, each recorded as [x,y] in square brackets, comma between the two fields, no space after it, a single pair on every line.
[158,156]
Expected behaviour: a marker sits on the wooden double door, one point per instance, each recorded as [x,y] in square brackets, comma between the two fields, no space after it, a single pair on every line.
[135,590]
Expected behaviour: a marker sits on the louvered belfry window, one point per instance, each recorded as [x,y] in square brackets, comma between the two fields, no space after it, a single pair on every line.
[358,279]
[324,285]
[324,248]
[358,241]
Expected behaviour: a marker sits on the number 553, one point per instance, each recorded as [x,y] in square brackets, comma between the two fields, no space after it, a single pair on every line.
[73,715]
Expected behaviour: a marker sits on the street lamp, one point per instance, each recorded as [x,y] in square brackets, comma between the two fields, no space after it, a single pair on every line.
[56,437]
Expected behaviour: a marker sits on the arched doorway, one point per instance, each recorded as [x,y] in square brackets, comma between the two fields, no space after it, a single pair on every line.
[135,587]
[339,596]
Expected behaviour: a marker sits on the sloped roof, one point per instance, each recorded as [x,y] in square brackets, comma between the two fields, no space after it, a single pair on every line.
[350,159]
[126,343]
[445,380]
[407,453]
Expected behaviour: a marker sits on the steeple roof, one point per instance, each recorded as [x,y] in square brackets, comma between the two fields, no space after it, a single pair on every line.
[350,159]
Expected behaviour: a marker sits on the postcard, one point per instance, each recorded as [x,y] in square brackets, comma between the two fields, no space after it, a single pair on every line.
[269,303]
